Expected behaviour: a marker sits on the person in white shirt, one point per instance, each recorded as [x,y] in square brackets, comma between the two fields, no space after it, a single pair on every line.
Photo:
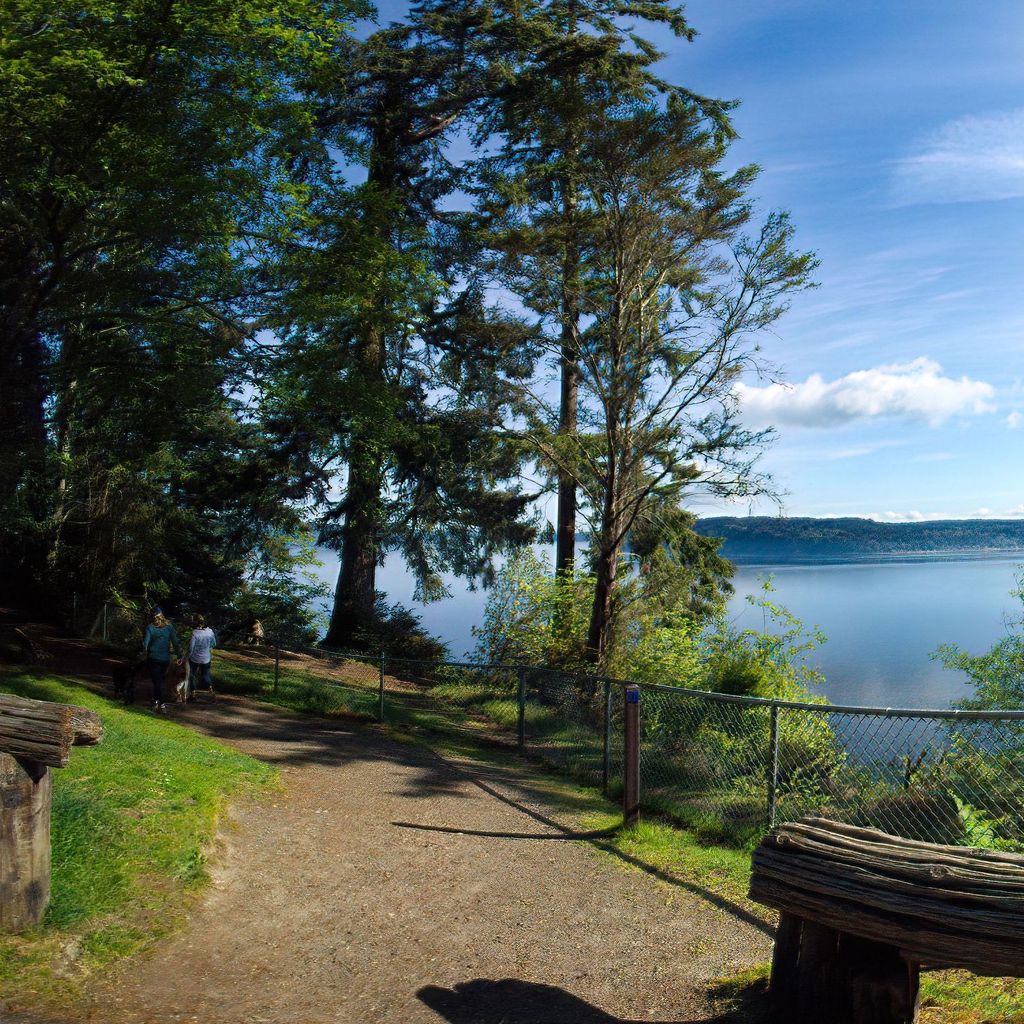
[200,647]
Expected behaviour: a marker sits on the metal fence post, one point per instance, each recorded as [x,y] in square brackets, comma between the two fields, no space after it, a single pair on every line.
[277,665]
[773,763]
[606,765]
[631,760]
[104,621]
[521,725]
[380,696]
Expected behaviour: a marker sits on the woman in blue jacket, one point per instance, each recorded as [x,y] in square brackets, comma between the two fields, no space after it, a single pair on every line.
[157,643]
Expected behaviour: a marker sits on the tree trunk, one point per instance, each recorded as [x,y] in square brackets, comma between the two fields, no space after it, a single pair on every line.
[565,545]
[355,594]
[599,635]
[23,459]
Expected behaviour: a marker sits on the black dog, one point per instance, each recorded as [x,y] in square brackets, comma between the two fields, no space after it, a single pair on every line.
[123,674]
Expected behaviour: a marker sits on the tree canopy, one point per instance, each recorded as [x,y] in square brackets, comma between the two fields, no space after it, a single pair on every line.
[266,279]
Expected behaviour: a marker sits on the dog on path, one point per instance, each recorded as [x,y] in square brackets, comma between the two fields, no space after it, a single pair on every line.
[123,675]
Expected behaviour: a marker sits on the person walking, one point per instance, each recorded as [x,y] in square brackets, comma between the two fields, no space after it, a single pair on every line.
[157,643]
[200,657]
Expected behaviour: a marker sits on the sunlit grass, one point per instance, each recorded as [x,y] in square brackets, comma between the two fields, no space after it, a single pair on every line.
[133,819]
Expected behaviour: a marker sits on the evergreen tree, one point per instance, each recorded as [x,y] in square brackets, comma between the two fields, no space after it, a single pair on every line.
[146,184]
[674,295]
[412,375]
[575,60]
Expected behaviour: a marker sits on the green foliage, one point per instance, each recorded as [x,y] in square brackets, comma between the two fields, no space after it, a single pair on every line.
[770,662]
[532,618]
[997,676]
[398,631]
[135,278]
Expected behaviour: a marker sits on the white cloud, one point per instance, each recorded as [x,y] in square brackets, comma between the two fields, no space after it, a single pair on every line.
[969,159]
[917,390]
[1014,420]
[916,516]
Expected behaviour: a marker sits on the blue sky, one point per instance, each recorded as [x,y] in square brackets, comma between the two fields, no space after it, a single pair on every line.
[893,130]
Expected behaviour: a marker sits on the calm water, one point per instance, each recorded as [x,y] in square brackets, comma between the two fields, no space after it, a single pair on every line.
[882,620]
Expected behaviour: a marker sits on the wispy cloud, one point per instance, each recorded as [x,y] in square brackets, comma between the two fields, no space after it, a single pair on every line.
[1014,421]
[916,390]
[916,516]
[970,159]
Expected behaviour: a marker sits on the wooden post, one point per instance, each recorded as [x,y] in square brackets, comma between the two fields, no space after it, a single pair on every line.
[819,954]
[277,666]
[521,721]
[606,765]
[878,986]
[35,735]
[784,983]
[631,759]
[26,789]
[773,763]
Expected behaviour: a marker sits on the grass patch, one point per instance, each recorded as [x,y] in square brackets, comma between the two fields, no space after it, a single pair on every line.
[132,820]
[956,997]
[300,686]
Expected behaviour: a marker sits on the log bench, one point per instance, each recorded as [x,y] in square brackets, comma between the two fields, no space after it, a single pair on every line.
[861,913]
[35,737]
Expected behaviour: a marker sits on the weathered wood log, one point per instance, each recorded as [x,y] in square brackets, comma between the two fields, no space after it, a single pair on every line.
[35,735]
[862,911]
[25,794]
[44,731]
[938,905]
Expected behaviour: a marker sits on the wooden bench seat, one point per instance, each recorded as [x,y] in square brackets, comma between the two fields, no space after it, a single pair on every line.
[863,912]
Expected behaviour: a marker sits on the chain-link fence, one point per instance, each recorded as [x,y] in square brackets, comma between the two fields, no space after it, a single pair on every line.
[726,767]
[729,767]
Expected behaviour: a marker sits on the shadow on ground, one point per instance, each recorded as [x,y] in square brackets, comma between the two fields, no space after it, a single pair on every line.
[559,831]
[510,1001]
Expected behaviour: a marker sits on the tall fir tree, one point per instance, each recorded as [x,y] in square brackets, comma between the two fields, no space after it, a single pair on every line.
[575,61]
[416,367]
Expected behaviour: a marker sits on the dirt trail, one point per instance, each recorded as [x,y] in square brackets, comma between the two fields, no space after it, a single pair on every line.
[328,904]
[388,885]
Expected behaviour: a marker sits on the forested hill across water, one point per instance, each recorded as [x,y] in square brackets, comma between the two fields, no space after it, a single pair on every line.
[756,539]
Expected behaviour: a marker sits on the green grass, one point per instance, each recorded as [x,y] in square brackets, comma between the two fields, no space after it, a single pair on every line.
[252,675]
[132,821]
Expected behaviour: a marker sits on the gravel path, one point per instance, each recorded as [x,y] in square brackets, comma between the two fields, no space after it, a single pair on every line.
[346,898]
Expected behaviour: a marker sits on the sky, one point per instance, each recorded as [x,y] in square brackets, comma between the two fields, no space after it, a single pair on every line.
[893,131]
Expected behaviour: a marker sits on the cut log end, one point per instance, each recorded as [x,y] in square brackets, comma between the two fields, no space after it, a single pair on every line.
[45,731]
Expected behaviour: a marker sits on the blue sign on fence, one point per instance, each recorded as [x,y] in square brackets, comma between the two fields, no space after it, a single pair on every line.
[632,696]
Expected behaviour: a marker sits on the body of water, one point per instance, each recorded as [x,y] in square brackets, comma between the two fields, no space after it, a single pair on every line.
[882,619]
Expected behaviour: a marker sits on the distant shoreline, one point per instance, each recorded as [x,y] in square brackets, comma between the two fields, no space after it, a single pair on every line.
[780,541]
[883,558]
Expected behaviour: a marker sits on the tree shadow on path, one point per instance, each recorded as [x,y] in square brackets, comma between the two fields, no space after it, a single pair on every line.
[562,832]
[511,1001]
